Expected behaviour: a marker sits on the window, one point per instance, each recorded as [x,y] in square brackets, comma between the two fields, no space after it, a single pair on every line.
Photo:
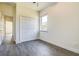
[43,23]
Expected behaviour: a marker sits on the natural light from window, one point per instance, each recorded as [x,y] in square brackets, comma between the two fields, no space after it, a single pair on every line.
[43,23]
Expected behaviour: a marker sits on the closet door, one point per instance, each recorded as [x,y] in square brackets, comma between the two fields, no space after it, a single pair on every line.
[1,28]
[27,29]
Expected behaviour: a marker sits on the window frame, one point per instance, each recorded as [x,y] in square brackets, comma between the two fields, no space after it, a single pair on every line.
[41,23]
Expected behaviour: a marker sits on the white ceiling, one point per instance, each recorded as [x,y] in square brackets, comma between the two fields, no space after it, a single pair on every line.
[31,5]
[41,5]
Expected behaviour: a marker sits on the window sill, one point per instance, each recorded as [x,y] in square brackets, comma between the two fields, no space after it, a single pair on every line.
[43,31]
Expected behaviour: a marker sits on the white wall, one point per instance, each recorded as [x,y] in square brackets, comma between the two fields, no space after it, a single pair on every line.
[63,26]
[7,10]
[1,28]
[23,11]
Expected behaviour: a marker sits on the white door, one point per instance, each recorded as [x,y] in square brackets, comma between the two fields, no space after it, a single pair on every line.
[8,28]
[28,29]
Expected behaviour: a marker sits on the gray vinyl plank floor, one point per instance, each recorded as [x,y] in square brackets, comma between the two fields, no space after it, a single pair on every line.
[34,48]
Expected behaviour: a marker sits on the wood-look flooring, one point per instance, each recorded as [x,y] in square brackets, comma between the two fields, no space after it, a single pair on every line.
[34,48]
